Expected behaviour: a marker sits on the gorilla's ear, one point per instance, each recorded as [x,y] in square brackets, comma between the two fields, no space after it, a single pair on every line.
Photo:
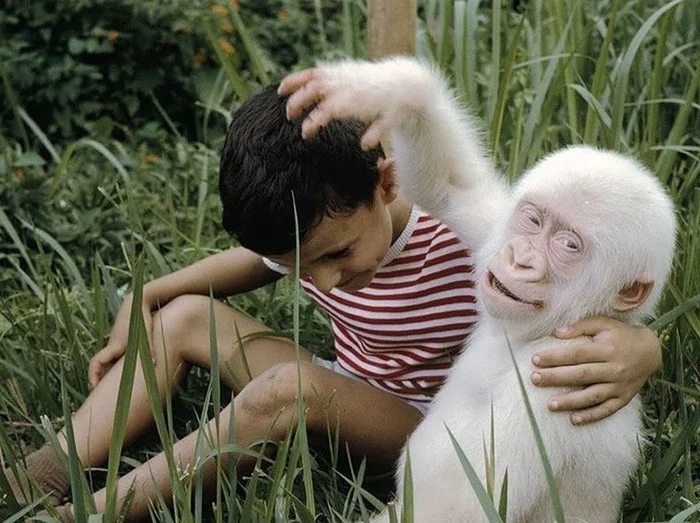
[633,295]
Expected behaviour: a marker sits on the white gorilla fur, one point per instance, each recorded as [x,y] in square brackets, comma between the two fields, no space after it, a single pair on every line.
[628,224]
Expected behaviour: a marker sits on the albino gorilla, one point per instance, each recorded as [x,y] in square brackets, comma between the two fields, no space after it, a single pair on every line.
[584,232]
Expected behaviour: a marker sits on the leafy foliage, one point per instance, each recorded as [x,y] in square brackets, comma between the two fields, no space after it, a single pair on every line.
[100,66]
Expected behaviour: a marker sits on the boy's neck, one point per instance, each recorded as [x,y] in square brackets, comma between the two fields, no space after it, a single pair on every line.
[400,210]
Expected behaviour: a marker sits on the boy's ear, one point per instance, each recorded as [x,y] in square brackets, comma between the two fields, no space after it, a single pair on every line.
[387,179]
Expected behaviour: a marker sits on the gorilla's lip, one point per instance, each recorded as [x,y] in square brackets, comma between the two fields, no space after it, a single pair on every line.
[496,285]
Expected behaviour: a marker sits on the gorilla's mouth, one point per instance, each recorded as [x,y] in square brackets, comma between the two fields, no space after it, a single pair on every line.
[498,286]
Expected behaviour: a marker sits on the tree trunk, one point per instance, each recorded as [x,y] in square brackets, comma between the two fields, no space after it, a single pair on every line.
[391,27]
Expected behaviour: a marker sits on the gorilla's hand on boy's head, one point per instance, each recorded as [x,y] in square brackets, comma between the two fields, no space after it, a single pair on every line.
[321,94]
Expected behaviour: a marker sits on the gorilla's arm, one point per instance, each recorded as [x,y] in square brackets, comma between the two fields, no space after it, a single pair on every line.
[441,162]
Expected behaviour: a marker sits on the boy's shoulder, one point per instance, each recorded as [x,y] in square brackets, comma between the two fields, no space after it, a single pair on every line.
[424,232]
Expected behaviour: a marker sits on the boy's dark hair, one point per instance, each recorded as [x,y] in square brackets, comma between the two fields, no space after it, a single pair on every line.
[265,159]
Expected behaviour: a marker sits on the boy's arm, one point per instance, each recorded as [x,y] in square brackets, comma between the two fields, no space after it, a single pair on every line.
[229,272]
[440,160]
[612,368]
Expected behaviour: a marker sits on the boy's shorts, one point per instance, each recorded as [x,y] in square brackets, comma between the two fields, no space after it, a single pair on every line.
[422,406]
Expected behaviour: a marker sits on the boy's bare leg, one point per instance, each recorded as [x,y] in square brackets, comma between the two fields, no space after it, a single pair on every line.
[180,334]
[372,423]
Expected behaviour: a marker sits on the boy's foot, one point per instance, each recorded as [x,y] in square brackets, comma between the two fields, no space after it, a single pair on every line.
[46,473]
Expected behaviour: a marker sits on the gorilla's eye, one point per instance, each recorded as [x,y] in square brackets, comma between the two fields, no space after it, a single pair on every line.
[532,216]
[569,240]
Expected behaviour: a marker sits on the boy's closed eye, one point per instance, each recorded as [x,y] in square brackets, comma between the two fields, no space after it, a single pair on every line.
[339,254]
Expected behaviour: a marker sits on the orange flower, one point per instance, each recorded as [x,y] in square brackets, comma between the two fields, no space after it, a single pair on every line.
[199,58]
[282,15]
[219,9]
[236,5]
[151,158]
[226,26]
[112,35]
[226,46]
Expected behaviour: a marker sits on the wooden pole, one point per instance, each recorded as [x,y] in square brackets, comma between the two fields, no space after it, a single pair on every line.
[391,27]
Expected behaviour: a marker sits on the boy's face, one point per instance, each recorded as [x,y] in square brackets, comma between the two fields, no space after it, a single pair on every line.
[345,251]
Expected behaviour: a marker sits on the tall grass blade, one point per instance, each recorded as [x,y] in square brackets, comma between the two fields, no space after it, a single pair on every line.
[114,298]
[83,503]
[13,102]
[137,336]
[62,167]
[685,390]
[657,76]
[660,471]
[506,76]
[352,38]
[39,134]
[667,158]
[6,224]
[6,451]
[543,86]
[164,114]
[495,68]
[571,15]
[277,475]
[670,316]
[23,276]
[596,111]
[99,299]
[304,514]
[240,87]
[503,497]
[475,482]
[320,26]
[143,348]
[444,49]
[621,84]
[549,473]
[407,500]
[216,392]
[68,262]
[683,516]
[202,193]
[253,50]
[204,435]
[301,436]
[600,76]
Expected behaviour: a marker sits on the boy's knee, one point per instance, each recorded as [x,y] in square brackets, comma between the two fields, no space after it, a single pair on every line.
[273,393]
[176,324]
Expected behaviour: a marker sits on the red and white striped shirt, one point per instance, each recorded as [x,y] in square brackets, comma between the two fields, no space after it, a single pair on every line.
[402,331]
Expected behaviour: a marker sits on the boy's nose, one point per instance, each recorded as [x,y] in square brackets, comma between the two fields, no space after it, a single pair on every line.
[325,280]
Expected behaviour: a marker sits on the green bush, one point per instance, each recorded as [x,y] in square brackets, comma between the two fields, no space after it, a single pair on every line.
[84,66]
[71,63]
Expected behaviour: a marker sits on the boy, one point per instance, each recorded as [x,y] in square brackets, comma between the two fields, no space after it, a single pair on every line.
[395,281]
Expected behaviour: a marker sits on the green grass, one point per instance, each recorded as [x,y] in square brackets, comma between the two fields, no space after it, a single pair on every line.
[82,221]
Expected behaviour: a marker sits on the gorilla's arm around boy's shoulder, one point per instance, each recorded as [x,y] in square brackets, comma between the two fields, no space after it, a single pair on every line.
[440,159]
